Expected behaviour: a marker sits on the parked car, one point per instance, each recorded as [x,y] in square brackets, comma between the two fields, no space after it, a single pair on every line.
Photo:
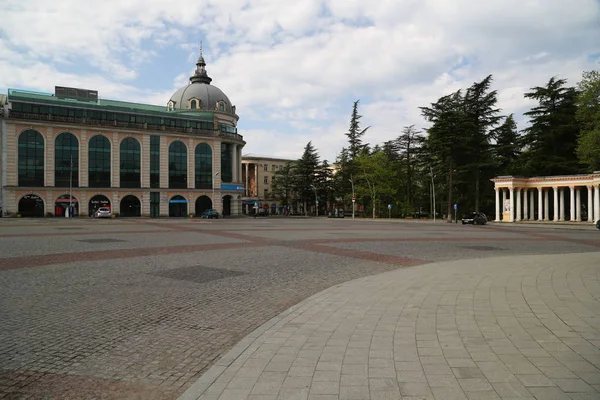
[102,212]
[475,218]
[211,213]
[598,224]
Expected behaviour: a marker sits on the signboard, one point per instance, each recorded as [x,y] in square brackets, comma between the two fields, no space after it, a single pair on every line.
[456,206]
[389,206]
[232,187]
[174,201]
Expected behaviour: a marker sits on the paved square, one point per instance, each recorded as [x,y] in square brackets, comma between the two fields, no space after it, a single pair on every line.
[143,309]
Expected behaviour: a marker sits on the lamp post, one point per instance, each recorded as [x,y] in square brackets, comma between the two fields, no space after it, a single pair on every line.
[433,191]
[213,185]
[316,201]
[353,198]
[71,187]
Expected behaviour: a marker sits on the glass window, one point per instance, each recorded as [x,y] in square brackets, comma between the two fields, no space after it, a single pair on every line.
[177,165]
[221,106]
[31,158]
[203,166]
[266,180]
[130,160]
[99,162]
[226,160]
[193,104]
[154,161]
[66,160]
[266,167]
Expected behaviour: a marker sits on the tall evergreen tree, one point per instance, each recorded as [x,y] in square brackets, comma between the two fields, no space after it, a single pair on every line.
[284,182]
[551,138]
[406,148]
[507,149]
[355,134]
[307,173]
[588,115]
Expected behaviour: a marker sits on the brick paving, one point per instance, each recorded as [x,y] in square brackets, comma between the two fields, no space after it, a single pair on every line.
[149,319]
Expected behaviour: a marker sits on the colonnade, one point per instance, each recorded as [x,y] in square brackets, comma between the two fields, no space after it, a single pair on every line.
[524,200]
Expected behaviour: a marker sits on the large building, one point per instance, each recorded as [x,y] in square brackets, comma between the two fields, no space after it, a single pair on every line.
[71,152]
[257,176]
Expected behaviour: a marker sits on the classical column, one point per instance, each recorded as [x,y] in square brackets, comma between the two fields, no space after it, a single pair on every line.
[116,161]
[532,205]
[547,205]
[256,179]
[503,201]
[596,202]
[562,204]
[578,204]
[555,216]
[49,166]
[525,203]
[512,205]
[590,204]
[572,216]
[518,194]
[497,205]
[191,165]
[540,204]
[83,162]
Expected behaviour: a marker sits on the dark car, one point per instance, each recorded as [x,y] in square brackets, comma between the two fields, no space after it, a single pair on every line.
[211,213]
[598,224]
[475,218]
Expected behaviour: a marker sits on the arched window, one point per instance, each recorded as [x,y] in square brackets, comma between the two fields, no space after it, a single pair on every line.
[130,163]
[99,162]
[31,158]
[170,105]
[194,104]
[203,166]
[66,160]
[221,106]
[177,165]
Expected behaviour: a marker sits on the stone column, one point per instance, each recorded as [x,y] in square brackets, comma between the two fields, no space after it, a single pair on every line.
[547,205]
[597,202]
[518,194]
[540,204]
[562,204]
[503,201]
[532,205]
[572,210]
[116,167]
[578,204]
[246,189]
[256,180]
[512,205]
[525,207]
[145,165]
[49,166]
[191,184]
[555,216]
[83,163]
[164,169]
[497,205]
[590,204]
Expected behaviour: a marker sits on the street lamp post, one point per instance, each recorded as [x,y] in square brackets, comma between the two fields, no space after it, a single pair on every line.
[316,201]
[433,192]
[213,185]
[353,198]
[71,187]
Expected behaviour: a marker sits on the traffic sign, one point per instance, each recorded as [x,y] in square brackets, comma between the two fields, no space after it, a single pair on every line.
[389,206]
[456,206]
[256,204]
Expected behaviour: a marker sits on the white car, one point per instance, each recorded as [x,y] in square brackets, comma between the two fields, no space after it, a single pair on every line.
[103,212]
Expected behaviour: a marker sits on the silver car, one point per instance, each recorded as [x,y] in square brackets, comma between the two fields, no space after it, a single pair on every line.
[103,212]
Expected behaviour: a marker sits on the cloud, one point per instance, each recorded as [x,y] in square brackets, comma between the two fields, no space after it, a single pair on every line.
[295,68]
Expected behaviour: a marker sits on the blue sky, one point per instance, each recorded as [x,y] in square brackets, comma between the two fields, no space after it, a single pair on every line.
[293,70]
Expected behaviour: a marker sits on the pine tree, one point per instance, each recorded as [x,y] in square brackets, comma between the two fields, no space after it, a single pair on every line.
[355,134]
[588,115]
[551,138]
[507,149]
[307,169]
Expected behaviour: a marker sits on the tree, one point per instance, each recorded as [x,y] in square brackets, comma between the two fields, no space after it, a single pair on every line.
[588,115]
[507,149]
[283,183]
[551,138]
[307,171]
[375,178]
[406,147]
[355,134]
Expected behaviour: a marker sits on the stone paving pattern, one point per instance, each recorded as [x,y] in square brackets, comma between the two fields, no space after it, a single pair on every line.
[511,327]
[144,317]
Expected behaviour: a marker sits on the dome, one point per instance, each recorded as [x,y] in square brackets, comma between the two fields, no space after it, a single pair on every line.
[200,90]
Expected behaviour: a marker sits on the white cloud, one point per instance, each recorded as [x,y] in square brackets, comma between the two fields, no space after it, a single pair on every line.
[297,66]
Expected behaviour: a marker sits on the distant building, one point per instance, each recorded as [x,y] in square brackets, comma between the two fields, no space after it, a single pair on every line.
[71,152]
[257,176]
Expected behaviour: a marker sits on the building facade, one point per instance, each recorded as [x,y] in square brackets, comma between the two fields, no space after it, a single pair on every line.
[257,176]
[70,152]
[548,198]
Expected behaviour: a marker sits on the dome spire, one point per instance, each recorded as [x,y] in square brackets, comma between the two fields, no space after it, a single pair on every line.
[200,75]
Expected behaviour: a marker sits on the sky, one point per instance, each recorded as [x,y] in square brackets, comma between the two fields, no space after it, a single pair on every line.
[293,69]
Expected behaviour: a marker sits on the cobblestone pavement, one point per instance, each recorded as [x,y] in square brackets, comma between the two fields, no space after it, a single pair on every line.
[141,309]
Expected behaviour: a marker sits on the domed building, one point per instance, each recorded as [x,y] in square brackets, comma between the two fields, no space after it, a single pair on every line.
[70,152]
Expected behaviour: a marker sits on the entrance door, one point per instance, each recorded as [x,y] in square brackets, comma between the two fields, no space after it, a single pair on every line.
[227,205]
[178,207]
[66,206]
[130,207]
[98,201]
[31,205]
[203,203]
